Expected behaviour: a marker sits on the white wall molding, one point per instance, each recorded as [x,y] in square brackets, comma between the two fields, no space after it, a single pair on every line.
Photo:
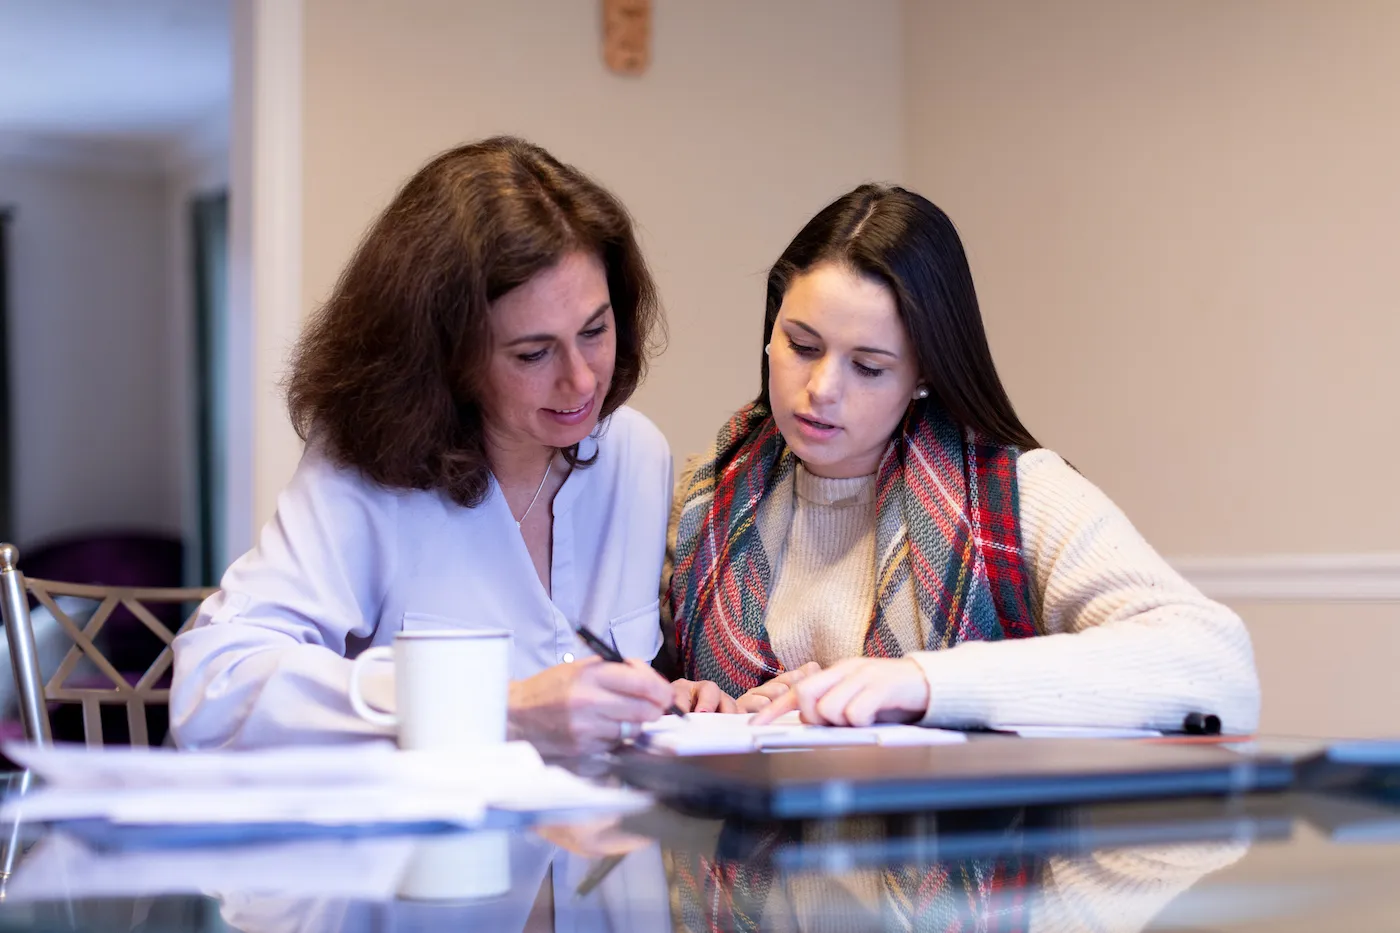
[1371,577]
[265,207]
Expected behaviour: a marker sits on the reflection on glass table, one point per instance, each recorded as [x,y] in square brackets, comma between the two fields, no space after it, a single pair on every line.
[1264,862]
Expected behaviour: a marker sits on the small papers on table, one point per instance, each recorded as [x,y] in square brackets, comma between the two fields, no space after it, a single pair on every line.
[352,785]
[731,733]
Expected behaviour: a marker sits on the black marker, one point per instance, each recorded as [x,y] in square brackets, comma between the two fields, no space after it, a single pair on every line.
[606,651]
[1201,724]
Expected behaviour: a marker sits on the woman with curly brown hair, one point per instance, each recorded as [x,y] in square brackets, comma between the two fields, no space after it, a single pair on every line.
[469,463]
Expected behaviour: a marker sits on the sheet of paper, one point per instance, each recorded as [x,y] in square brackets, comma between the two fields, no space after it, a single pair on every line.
[318,766]
[717,721]
[326,786]
[60,867]
[346,806]
[731,733]
[557,791]
[1027,731]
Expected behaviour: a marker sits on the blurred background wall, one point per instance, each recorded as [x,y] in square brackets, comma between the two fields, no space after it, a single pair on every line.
[1182,219]
[751,116]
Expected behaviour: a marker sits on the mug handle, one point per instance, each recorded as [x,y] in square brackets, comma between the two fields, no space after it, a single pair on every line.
[357,699]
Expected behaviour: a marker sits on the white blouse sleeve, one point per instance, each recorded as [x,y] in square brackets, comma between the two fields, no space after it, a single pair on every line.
[1128,643]
[265,661]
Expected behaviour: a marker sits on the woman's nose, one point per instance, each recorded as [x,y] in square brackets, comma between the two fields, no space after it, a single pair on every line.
[824,383]
[578,375]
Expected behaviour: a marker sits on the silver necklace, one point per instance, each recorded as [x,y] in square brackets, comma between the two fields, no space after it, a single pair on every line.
[547,468]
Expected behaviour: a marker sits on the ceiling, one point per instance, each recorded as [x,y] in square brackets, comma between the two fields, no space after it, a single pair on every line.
[141,70]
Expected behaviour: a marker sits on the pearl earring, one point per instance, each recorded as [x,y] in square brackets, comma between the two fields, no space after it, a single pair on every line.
[921,393]
[767,349]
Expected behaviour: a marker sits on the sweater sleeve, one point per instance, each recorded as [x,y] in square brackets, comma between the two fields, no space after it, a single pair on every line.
[1128,642]
[1121,890]
[265,662]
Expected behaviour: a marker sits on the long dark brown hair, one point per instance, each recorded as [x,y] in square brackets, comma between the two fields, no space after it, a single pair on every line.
[902,240]
[388,375]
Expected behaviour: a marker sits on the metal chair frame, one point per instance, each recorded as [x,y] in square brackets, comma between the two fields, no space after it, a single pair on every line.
[35,695]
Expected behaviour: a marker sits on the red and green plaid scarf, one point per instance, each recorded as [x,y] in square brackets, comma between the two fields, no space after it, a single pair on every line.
[946,522]
[744,890]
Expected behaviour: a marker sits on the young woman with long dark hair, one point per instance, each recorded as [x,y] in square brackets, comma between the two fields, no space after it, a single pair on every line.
[878,536]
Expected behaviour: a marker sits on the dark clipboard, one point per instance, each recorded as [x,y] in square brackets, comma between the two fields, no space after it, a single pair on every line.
[986,772]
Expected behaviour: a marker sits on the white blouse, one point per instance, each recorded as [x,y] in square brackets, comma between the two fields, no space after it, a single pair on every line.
[346,563]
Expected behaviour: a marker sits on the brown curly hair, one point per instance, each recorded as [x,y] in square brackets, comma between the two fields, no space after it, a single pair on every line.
[388,375]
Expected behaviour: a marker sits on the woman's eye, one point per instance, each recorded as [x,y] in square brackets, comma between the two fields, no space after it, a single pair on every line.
[801,349]
[598,331]
[869,371]
[530,357]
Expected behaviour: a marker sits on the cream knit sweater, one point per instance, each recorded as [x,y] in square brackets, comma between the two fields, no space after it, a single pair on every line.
[1128,641]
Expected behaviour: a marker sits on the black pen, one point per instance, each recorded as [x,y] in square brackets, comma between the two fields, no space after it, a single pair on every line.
[597,873]
[1201,724]
[608,653]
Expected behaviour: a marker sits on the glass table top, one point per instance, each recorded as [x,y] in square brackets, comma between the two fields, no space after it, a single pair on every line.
[1262,862]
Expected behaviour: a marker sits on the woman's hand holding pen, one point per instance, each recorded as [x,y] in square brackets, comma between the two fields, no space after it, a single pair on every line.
[587,706]
[598,838]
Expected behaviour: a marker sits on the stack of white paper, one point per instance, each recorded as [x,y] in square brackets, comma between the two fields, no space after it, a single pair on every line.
[326,785]
[731,733]
[60,867]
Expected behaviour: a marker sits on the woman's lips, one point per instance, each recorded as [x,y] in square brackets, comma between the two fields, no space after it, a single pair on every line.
[815,429]
[571,416]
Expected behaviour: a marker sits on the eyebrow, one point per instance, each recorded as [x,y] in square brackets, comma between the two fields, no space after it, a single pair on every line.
[542,338]
[811,330]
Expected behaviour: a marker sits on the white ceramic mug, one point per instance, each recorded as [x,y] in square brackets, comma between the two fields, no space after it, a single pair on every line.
[458,867]
[450,686]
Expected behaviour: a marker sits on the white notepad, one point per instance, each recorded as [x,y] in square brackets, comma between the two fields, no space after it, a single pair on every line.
[730,733]
[1027,731]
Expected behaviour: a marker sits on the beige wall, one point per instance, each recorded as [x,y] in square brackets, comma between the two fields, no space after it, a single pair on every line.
[1184,220]
[94,426]
[752,117]
[1326,669]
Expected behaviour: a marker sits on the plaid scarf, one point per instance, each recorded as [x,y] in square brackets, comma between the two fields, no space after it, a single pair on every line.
[946,525]
[739,888]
